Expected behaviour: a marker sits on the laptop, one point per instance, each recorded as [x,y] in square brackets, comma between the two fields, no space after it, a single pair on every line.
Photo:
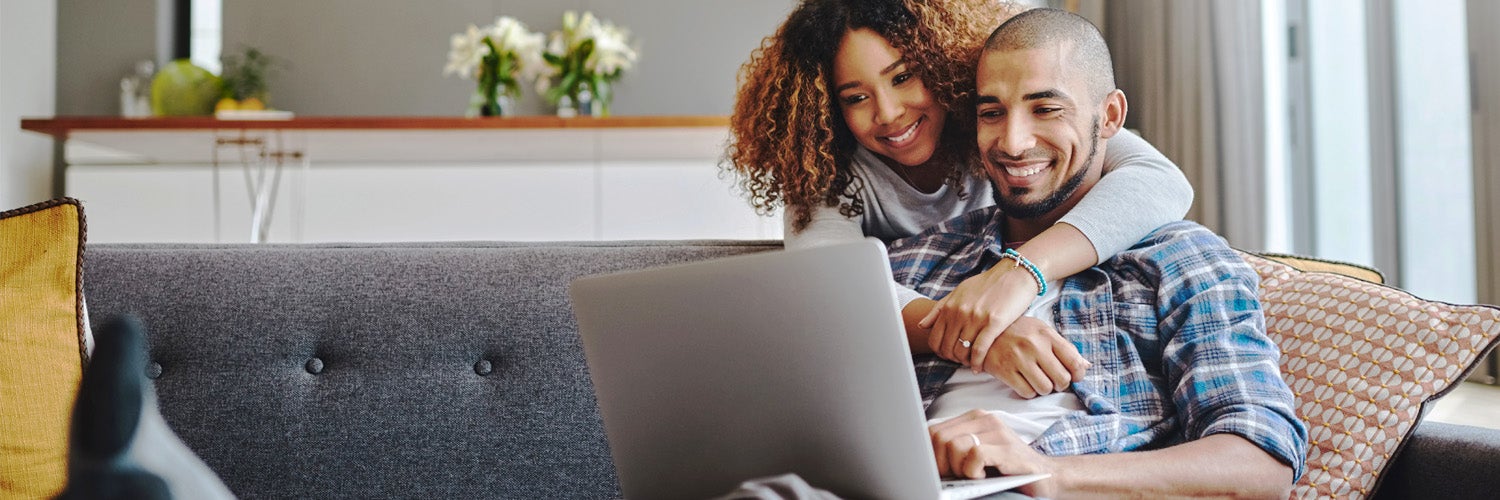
[712,373]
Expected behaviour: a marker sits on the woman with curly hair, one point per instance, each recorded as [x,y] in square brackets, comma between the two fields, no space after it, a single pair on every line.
[857,117]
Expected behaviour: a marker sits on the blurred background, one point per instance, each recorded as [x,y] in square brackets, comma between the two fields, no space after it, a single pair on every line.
[1364,131]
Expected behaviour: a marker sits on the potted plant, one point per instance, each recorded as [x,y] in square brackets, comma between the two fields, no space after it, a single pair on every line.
[495,56]
[245,85]
[584,60]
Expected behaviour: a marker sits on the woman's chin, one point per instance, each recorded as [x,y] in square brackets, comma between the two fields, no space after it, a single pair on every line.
[915,158]
[912,156]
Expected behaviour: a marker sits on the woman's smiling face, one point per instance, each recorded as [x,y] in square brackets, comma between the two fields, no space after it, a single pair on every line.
[885,105]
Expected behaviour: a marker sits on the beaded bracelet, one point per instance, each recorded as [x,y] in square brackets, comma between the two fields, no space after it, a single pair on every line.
[1041,282]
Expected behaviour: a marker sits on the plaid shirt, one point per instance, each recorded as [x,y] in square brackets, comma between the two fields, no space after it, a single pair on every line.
[1172,326]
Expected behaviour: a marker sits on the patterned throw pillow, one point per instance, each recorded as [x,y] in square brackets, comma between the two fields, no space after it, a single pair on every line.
[1363,359]
[41,343]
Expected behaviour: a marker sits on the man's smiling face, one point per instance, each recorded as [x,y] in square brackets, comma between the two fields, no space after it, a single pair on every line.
[1038,129]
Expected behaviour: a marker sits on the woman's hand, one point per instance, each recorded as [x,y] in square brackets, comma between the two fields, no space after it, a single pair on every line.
[976,313]
[1034,360]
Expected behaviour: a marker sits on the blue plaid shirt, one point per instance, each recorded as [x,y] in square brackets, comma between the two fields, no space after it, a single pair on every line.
[1173,327]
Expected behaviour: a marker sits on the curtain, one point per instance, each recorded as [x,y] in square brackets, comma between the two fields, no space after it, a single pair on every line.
[1484,73]
[1192,72]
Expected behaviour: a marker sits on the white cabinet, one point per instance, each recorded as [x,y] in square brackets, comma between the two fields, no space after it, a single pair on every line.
[146,203]
[419,185]
[668,199]
[519,201]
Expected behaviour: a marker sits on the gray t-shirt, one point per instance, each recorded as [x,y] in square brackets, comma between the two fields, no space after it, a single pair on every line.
[1141,190]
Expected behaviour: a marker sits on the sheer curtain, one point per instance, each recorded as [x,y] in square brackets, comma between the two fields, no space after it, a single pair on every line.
[1192,72]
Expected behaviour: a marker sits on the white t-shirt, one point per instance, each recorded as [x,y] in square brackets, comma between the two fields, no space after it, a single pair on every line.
[966,390]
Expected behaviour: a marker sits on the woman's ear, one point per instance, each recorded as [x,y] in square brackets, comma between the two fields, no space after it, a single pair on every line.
[1115,109]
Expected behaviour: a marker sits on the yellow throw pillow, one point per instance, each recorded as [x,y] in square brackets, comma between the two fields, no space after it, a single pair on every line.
[1309,264]
[41,343]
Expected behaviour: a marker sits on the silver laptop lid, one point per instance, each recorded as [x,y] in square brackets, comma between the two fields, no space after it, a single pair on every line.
[715,372]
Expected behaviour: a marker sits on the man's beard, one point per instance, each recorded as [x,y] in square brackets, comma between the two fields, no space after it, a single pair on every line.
[1054,200]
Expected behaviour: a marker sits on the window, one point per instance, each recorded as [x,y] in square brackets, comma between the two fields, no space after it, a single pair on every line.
[1435,168]
[206,39]
[1378,141]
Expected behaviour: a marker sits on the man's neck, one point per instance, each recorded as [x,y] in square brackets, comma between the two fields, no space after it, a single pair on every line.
[1026,229]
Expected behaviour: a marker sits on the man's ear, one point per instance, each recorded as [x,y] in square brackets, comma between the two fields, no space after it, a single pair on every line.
[1115,108]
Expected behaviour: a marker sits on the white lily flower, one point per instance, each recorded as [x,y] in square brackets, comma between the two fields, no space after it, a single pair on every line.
[526,52]
[587,26]
[555,45]
[511,39]
[465,51]
[612,54]
[507,33]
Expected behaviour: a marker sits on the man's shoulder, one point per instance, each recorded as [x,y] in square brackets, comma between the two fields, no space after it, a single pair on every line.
[1178,238]
[1180,248]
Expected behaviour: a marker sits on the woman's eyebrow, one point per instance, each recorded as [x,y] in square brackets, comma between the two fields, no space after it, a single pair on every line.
[893,66]
[888,69]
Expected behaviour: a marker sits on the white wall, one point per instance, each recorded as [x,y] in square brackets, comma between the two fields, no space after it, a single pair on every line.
[97,44]
[28,52]
[690,51]
[386,57]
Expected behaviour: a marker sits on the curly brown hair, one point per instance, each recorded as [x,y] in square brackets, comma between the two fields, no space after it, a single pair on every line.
[788,141]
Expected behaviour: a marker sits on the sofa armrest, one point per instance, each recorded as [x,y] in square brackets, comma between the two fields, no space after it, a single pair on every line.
[1445,461]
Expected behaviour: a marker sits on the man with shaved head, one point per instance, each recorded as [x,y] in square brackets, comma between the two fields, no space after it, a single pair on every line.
[1182,395]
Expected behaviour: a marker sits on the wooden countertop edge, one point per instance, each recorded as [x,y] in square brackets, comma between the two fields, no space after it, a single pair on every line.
[60,127]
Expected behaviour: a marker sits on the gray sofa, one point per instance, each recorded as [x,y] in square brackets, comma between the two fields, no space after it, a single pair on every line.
[445,370]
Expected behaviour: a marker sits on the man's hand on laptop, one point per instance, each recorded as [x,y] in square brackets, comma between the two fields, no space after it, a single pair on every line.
[965,445]
[1034,360]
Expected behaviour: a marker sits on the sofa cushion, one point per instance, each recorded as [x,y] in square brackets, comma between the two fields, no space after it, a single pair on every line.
[41,343]
[1363,359]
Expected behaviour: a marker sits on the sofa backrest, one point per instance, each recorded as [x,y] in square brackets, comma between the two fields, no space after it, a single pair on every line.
[445,370]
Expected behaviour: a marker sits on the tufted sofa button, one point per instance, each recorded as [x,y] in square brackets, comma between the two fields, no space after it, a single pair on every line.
[483,367]
[314,366]
[153,370]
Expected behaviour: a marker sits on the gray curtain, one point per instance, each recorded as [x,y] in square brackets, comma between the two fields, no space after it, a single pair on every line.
[1484,68]
[1192,72]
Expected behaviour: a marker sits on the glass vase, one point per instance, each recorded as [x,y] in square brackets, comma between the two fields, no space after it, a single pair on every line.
[603,95]
[489,103]
[585,102]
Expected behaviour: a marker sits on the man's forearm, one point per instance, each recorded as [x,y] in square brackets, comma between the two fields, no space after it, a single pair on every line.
[1220,465]
[916,336]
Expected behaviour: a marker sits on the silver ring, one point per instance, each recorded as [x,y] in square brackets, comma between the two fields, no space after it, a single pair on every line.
[975,438]
[965,343]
